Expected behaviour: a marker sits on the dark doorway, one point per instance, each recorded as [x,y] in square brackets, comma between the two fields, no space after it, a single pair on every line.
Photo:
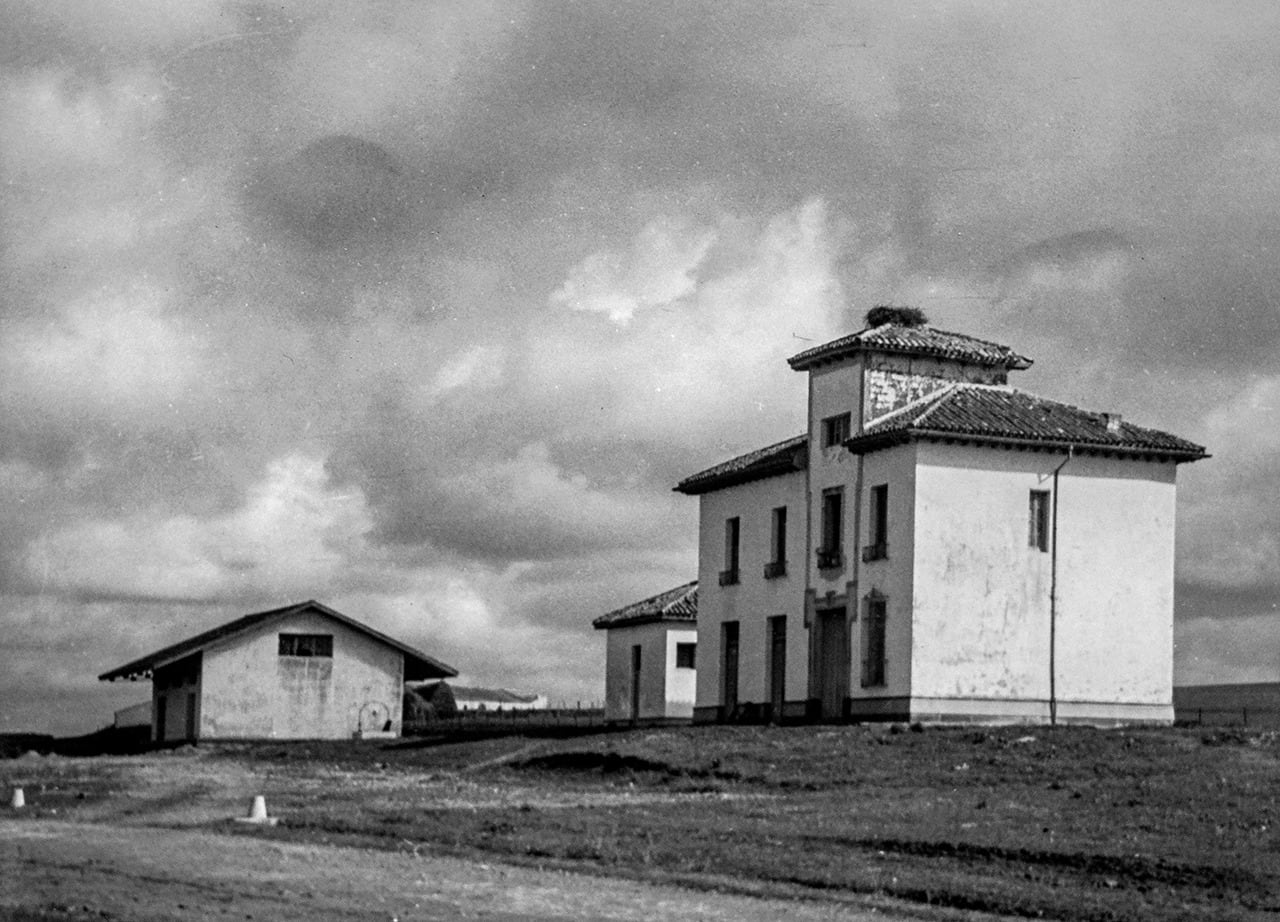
[191,716]
[833,663]
[729,664]
[777,665]
[635,682]
[161,701]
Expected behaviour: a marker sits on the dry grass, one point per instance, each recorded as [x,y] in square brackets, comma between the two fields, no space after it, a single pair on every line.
[1068,823]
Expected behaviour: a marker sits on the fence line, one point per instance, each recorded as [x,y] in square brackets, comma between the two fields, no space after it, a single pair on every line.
[508,719]
[1243,716]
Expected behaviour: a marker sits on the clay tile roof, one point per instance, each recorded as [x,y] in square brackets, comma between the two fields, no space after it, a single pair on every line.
[678,604]
[417,665]
[1002,415]
[781,458]
[912,340]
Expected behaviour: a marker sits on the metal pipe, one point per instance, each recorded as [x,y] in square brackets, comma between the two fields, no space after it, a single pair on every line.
[1053,595]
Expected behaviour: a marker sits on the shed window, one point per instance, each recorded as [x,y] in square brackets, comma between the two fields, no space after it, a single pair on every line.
[685,654]
[306,645]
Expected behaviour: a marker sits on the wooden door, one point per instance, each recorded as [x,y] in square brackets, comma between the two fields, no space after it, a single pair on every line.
[777,665]
[729,667]
[635,682]
[833,662]
[191,716]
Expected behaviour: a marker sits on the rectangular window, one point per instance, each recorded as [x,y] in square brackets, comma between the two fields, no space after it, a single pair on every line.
[835,430]
[729,664]
[686,654]
[732,532]
[873,658]
[1038,532]
[878,546]
[306,645]
[778,540]
[831,553]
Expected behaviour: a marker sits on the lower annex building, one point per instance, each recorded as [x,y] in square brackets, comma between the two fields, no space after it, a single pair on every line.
[938,546]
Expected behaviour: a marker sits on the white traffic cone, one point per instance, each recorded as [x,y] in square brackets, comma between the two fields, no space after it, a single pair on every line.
[258,813]
[19,799]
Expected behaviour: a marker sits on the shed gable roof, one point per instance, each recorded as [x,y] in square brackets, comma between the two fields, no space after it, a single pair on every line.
[911,340]
[678,604]
[771,461]
[1002,415]
[417,665]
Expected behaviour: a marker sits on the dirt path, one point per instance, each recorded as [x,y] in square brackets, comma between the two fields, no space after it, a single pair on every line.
[152,874]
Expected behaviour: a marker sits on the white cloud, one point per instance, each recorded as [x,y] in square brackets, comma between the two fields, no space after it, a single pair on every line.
[658,269]
[110,350]
[479,367]
[1227,538]
[293,536]
[355,70]
[531,495]
[714,370]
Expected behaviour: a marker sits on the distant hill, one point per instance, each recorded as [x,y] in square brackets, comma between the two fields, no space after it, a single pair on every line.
[1254,703]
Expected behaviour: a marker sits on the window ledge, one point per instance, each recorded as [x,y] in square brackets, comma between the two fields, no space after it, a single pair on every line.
[728,577]
[875,552]
[775,568]
[830,560]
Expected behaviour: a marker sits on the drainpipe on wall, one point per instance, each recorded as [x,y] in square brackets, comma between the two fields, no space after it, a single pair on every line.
[1053,596]
[808,543]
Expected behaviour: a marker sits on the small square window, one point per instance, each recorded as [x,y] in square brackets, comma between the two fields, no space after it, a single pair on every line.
[835,430]
[686,654]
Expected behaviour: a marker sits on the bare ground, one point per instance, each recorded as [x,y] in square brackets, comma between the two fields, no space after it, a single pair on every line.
[1070,824]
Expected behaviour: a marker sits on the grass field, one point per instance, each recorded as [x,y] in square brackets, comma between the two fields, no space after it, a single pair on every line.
[1069,823]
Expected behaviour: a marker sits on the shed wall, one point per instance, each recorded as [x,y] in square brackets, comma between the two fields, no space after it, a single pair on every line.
[250,691]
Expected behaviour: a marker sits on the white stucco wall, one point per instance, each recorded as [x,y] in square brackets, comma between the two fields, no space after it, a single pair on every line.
[892,577]
[666,691]
[754,599]
[833,389]
[250,691]
[981,606]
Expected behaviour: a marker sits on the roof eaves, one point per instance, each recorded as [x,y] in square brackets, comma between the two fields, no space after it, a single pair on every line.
[144,666]
[788,456]
[876,441]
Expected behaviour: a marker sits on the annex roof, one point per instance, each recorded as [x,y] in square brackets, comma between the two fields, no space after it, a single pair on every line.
[771,461]
[417,665]
[678,604]
[1005,416]
[903,339]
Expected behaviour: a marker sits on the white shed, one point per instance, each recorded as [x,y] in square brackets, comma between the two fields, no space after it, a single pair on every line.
[650,658]
[300,672]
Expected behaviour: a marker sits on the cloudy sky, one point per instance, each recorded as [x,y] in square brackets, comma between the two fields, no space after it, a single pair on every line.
[420,309]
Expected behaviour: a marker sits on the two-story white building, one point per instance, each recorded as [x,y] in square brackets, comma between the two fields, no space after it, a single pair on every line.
[938,546]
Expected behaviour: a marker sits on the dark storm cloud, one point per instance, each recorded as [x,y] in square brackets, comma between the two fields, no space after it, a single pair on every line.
[456,292]
[336,193]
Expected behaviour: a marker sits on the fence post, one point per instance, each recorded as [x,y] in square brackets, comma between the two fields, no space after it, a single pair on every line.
[1244,717]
